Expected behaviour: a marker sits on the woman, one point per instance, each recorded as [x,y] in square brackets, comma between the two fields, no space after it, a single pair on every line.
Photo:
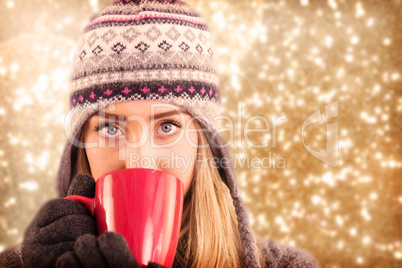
[136,61]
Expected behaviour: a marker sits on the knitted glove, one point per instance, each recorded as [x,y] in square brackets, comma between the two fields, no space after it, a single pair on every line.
[155,265]
[57,225]
[108,250]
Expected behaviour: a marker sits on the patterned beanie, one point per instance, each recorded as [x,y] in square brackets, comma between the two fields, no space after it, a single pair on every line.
[145,50]
[149,50]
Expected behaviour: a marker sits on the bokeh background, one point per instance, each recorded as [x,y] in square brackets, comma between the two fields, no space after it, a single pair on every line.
[282,58]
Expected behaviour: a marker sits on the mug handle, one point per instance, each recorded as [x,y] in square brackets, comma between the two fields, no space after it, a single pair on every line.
[86,201]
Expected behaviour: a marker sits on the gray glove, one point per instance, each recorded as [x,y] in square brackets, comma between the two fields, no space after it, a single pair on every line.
[57,226]
[108,250]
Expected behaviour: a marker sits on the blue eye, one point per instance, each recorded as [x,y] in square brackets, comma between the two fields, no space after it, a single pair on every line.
[168,126]
[108,130]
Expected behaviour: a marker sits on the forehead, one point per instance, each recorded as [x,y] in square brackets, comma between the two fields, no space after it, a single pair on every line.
[140,106]
[143,108]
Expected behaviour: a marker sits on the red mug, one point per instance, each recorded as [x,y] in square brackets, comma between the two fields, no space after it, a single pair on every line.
[143,205]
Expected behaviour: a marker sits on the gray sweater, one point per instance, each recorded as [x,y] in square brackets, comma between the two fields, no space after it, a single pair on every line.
[277,255]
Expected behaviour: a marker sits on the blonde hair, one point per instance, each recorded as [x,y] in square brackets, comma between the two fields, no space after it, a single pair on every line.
[209,236]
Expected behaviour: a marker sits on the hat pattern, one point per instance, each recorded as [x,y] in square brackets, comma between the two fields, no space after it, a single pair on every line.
[146,50]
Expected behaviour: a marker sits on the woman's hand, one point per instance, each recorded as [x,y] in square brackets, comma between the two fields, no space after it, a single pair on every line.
[108,250]
[57,226]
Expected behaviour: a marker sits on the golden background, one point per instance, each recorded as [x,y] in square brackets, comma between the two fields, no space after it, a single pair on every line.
[282,58]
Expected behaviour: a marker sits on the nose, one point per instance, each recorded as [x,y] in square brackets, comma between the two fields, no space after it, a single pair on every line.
[141,157]
[138,152]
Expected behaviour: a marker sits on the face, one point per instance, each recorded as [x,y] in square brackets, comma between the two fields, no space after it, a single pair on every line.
[142,134]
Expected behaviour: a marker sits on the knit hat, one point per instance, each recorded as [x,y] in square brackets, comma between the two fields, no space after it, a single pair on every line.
[157,50]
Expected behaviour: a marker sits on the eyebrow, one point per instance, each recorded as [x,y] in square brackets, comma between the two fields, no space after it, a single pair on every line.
[157,116]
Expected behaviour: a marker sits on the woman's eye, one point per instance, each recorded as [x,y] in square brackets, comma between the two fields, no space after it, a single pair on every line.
[168,128]
[109,130]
